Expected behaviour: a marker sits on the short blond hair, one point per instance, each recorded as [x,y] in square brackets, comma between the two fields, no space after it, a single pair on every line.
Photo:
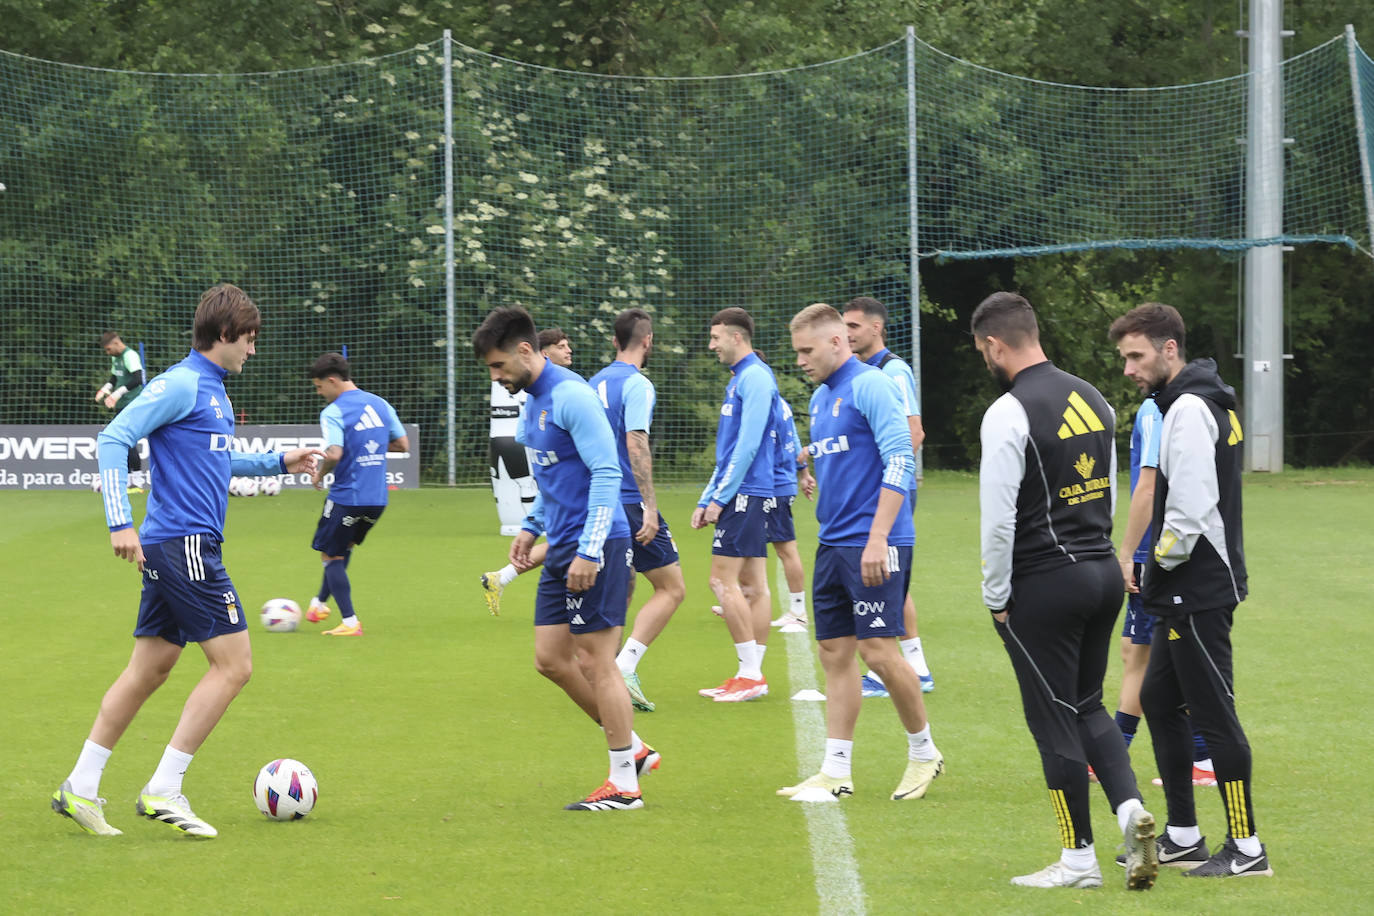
[814,316]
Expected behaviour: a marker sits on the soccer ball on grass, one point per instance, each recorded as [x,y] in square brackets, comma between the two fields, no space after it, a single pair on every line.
[281,615]
[285,790]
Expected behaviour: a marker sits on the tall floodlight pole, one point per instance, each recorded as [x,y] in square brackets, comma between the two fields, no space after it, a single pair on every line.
[1263,359]
[914,253]
[452,380]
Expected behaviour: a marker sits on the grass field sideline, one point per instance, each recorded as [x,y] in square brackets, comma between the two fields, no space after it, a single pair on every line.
[444,760]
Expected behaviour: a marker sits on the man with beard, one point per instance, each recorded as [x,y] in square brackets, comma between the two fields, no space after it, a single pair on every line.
[628,398]
[735,501]
[580,606]
[1193,583]
[1047,492]
[556,347]
[866,320]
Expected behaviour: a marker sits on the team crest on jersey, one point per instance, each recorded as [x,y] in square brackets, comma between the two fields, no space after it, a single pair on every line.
[1084,465]
[543,415]
[156,388]
[231,607]
[835,409]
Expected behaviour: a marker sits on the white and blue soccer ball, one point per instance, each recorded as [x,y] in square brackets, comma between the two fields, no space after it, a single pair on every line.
[285,790]
[248,486]
[270,486]
[281,615]
[234,484]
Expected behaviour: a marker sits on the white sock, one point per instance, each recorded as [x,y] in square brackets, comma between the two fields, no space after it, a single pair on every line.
[167,779]
[636,742]
[798,603]
[623,775]
[350,621]
[90,764]
[1124,811]
[919,745]
[1184,836]
[507,575]
[1249,846]
[839,758]
[759,652]
[1079,859]
[1206,765]
[911,651]
[747,654]
[628,659]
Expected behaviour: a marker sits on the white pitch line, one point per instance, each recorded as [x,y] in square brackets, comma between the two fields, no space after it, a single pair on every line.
[838,888]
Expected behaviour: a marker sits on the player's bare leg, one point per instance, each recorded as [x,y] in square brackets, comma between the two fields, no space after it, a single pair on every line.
[842,699]
[148,668]
[884,657]
[556,658]
[669,591]
[231,665]
[924,761]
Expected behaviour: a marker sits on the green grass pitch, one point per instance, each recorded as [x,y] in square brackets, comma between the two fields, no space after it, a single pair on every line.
[444,760]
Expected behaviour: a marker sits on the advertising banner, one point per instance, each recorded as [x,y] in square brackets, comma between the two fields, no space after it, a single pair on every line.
[64,457]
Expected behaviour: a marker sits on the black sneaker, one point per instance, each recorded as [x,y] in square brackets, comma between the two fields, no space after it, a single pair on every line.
[1230,862]
[608,798]
[1174,855]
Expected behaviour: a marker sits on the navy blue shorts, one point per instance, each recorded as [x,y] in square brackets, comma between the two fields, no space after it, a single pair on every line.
[187,595]
[844,606]
[342,527]
[778,520]
[600,607]
[660,552]
[740,528]
[1137,625]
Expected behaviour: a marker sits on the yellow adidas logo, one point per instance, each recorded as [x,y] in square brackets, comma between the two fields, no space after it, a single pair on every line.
[1236,435]
[1173,634]
[1079,418]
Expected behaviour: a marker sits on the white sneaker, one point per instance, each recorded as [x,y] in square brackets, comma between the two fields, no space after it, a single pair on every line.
[838,786]
[89,813]
[174,811]
[789,619]
[917,778]
[1060,875]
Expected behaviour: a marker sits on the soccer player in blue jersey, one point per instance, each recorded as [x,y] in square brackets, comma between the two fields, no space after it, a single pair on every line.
[789,470]
[580,606]
[554,344]
[734,499]
[359,429]
[864,470]
[187,594]
[628,398]
[866,320]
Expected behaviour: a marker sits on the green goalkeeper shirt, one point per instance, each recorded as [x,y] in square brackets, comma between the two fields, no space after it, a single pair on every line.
[121,368]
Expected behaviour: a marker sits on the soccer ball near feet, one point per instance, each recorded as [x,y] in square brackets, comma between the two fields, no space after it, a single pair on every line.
[285,790]
[281,615]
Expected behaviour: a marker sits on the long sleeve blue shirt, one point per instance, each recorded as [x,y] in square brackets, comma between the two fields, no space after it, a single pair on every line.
[572,452]
[861,444]
[186,416]
[743,463]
